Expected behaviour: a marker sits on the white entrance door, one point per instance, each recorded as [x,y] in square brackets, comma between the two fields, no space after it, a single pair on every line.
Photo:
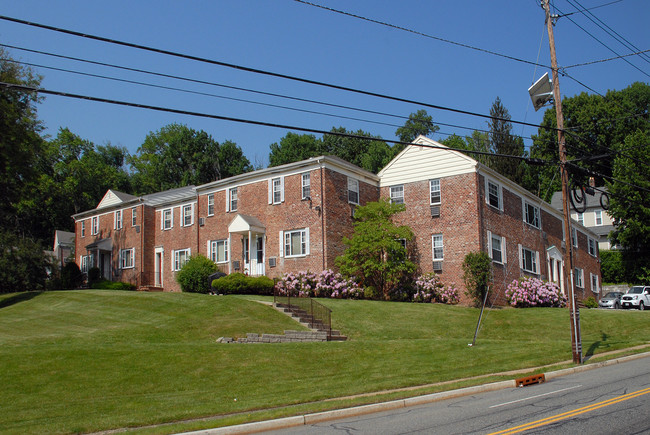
[158,267]
[259,255]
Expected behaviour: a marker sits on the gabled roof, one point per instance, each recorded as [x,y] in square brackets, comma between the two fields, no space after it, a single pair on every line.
[113,197]
[423,160]
[63,238]
[170,196]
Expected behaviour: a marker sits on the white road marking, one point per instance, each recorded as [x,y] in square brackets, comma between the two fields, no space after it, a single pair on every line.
[534,397]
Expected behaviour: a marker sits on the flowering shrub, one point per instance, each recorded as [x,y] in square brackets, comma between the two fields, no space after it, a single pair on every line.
[429,288]
[326,284]
[533,292]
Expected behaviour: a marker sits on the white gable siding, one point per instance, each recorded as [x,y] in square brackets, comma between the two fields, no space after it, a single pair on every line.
[417,163]
[109,199]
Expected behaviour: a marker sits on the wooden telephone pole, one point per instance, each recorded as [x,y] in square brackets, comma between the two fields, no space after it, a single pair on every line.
[576,340]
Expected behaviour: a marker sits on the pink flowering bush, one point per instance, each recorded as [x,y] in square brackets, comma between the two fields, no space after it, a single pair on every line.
[533,292]
[326,284]
[429,288]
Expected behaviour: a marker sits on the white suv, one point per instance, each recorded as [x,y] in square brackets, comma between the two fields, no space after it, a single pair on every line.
[637,297]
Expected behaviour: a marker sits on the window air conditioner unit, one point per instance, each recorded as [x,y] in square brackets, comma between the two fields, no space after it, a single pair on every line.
[437,266]
[137,229]
[272,261]
[201,221]
[435,211]
[235,265]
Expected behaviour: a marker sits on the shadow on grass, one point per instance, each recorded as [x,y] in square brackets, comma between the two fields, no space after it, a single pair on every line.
[596,345]
[17,298]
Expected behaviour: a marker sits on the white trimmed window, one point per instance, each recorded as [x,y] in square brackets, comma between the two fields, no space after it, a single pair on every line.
[579,277]
[493,194]
[397,194]
[188,215]
[598,214]
[531,214]
[353,191]
[306,185]
[219,251]
[84,263]
[438,247]
[528,260]
[167,219]
[581,218]
[276,190]
[118,220]
[134,216]
[434,190]
[94,226]
[594,283]
[180,257]
[83,228]
[233,199]
[211,204]
[497,248]
[296,243]
[593,251]
[127,258]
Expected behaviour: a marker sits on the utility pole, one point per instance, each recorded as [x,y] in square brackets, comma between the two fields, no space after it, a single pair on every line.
[576,340]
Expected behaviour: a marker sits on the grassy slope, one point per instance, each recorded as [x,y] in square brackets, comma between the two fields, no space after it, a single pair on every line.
[92,360]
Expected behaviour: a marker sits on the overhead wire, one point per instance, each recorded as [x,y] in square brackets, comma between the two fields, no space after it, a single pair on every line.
[25,88]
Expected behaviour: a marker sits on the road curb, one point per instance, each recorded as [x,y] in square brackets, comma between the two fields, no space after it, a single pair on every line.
[319,417]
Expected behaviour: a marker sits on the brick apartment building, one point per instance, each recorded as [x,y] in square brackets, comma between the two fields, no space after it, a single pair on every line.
[294,217]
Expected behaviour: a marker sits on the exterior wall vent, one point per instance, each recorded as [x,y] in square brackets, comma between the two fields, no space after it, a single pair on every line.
[272,261]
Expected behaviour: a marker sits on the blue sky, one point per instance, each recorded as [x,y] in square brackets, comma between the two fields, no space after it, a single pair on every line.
[296,39]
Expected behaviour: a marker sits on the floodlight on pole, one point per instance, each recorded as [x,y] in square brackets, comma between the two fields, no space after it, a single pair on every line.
[541,92]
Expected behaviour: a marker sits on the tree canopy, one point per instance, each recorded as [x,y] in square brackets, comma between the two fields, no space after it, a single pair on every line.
[177,155]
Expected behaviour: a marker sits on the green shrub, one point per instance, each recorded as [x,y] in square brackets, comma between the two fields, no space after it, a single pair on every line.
[590,302]
[71,276]
[477,268]
[194,277]
[240,284]
[111,285]
[612,267]
[94,275]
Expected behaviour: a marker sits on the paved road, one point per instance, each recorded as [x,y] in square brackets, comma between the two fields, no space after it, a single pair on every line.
[608,400]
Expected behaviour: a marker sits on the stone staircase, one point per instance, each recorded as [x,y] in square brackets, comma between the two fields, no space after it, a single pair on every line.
[302,317]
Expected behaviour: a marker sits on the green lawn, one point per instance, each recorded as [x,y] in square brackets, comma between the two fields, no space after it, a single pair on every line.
[83,361]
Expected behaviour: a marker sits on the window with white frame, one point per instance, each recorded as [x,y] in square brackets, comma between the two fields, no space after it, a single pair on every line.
[180,257]
[497,248]
[438,247]
[594,283]
[397,194]
[233,199]
[277,190]
[219,251]
[118,220]
[296,243]
[211,204]
[581,218]
[134,216]
[94,226]
[593,250]
[127,258]
[493,194]
[574,237]
[306,185]
[84,263]
[353,191]
[531,214]
[167,219]
[83,228]
[188,215]
[598,214]
[529,260]
[579,277]
[434,191]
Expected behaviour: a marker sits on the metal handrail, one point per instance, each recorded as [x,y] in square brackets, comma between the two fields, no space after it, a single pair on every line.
[317,312]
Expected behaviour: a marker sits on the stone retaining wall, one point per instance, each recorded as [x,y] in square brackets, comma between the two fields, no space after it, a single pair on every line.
[287,337]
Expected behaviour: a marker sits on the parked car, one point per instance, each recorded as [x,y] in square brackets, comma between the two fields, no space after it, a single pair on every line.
[611,300]
[637,297]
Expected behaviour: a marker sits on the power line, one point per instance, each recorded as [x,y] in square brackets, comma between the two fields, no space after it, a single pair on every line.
[591,8]
[256,71]
[622,40]
[606,60]
[415,32]
[24,88]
